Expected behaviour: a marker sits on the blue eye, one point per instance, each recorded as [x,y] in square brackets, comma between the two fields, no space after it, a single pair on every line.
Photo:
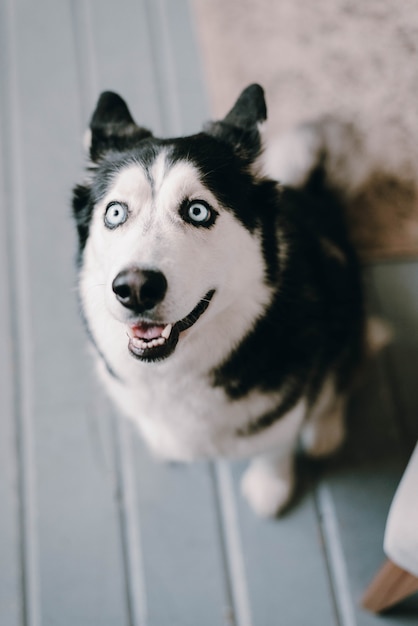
[116,214]
[198,213]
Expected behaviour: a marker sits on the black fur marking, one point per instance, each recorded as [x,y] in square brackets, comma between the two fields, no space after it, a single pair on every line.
[291,396]
[315,321]
[266,204]
[144,155]
[221,171]
[82,210]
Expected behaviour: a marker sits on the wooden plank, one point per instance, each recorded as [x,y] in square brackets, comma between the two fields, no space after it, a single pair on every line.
[283,561]
[360,501]
[10,554]
[10,587]
[78,574]
[181,548]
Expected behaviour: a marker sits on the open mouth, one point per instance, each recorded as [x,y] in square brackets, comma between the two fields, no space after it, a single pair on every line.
[153,342]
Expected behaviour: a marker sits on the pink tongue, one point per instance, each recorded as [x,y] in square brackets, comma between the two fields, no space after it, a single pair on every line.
[147,331]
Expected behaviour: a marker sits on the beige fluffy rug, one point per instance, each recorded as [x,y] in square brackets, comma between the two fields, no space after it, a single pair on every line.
[353,59]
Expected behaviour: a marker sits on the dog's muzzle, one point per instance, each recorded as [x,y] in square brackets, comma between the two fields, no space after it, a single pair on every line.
[154,342]
[141,291]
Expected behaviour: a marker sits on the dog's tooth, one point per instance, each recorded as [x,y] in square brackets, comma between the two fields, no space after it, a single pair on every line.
[166,332]
[140,344]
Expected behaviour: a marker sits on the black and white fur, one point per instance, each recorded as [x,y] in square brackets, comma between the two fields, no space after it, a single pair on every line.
[225,309]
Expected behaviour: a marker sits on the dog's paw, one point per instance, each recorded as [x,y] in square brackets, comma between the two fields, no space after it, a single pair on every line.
[267,488]
[323,437]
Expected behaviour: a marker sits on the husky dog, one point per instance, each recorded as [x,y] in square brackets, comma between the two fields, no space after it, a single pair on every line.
[225,308]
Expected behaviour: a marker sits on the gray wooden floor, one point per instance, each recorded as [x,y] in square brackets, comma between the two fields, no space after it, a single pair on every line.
[93,531]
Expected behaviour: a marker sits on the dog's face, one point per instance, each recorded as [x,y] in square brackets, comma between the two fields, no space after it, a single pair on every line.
[168,233]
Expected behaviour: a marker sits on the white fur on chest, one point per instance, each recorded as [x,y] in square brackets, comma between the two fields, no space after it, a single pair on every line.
[182,417]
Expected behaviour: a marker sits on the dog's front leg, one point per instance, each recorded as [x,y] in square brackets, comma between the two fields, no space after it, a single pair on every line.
[268,482]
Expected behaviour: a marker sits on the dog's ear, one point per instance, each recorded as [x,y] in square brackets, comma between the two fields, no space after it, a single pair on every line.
[241,126]
[112,127]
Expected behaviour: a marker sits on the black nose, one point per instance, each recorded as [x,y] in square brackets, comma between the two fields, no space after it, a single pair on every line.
[139,290]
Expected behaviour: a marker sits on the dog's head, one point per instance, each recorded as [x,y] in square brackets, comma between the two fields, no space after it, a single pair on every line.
[170,230]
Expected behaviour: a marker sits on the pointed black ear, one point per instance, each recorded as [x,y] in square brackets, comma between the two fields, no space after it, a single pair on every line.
[240,127]
[112,127]
[110,109]
[249,110]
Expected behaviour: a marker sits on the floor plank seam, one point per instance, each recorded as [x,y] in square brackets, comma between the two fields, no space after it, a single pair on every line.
[335,557]
[129,526]
[227,582]
[232,541]
[325,555]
